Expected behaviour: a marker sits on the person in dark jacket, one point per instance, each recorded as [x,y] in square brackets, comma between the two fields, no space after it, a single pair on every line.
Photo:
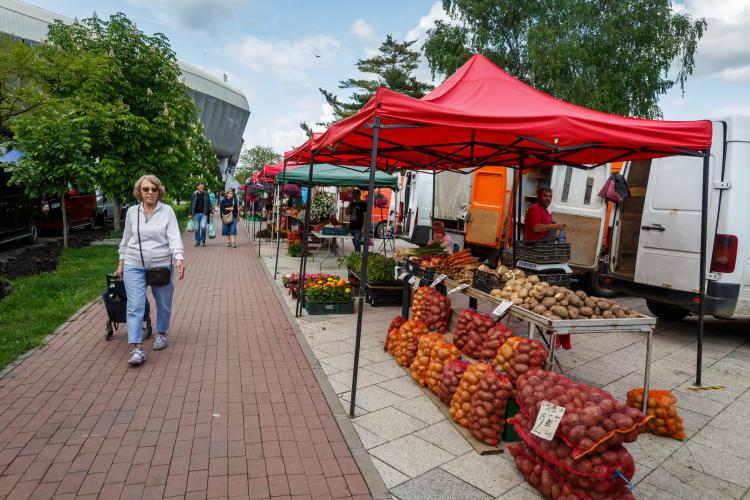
[200,210]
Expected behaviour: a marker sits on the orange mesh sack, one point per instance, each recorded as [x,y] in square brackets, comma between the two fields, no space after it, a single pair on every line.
[527,354]
[488,404]
[662,406]
[393,331]
[450,379]
[593,420]
[435,311]
[442,353]
[461,402]
[416,302]
[471,331]
[422,359]
[506,352]
[405,346]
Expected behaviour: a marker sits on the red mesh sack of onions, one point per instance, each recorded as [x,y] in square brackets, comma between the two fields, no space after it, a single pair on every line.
[460,407]
[493,339]
[542,476]
[416,302]
[450,379]
[435,311]
[470,332]
[488,404]
[405,345]
[595,472]
[393,331]
[527,355]
[593,419]
[422,359]
[442,353]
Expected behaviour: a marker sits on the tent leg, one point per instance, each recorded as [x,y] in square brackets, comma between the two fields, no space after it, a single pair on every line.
[305,236]
[432,212]
[518,205]
[702,285]
[365,253]
[278,239]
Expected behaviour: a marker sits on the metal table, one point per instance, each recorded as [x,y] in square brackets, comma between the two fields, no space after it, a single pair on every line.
[331,246]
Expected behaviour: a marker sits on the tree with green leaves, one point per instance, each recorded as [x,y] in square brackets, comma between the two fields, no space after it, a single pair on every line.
[612,56]
[19,88]
[393,67]
[156,128]
[253,159]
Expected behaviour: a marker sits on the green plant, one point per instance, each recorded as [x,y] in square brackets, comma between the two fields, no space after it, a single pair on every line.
[322,206]
[294,249]
[379,268]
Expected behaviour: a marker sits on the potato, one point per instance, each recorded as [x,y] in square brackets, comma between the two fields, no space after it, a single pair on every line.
[588,302]
[549,302]
[540,309]
[554,317]
[574,300]
[603,305]
[533,279]
[573,312]
[619,313]
[496,292]
[581,294]
[523,293]
[560,311]
[559,296]
[549,292]
[586,311]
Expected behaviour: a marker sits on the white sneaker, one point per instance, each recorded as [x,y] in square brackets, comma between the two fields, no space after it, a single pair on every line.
[160,342]
[138,357]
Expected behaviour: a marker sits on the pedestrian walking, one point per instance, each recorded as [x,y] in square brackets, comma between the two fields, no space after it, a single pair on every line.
[200,210]
[150,241]
[356,212]
[229,214]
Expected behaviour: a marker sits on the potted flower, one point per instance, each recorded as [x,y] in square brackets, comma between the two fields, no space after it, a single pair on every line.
[322,207]
[328,295]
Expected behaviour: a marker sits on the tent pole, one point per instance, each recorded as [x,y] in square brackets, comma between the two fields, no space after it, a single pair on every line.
[365,253]
[305,236]
[278,240]
[432,212]
[702,285]
[519,205]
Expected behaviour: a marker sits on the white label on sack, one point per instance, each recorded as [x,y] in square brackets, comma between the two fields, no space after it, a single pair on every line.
[460,287]
[402,275]
[412,280]
[415,283]
[502,308]
[547,420]
[438,280]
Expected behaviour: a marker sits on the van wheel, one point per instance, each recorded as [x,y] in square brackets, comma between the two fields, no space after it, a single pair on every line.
[666,311]
[380,230]
[33,232]
[594,284]
[92,221]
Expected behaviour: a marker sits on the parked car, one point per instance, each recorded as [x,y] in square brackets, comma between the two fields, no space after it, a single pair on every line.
[19,218]
[81,207]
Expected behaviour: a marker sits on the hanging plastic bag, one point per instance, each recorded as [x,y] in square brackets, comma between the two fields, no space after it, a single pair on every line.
[211,230]
[191,225]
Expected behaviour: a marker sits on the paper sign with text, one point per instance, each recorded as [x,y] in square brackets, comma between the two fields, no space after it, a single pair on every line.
[460,287]
[415,284]
[547,420]
[402,275]
[438,280]
[502,308]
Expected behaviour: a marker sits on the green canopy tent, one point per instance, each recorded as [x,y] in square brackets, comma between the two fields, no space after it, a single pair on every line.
[331,175]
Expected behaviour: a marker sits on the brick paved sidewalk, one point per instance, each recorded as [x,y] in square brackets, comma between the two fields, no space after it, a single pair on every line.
[230,409]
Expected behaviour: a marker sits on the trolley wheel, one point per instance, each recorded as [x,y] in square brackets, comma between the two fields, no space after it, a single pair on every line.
[109,333]
[148,328]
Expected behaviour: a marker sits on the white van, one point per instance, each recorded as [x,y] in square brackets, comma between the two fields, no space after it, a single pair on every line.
[655,247]
[415,201]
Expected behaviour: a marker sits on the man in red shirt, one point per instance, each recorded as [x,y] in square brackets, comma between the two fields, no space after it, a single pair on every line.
[538,223]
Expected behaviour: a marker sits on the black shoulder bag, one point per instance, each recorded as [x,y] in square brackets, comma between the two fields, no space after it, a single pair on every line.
[155,276]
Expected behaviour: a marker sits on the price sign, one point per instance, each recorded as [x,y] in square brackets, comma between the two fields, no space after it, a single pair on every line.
[547,420]
[402,275]
[412,280]
[460,287]
[502,308]
[438,280]
[415,283]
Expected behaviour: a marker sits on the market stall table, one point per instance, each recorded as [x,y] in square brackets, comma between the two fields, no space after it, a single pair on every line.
[331,246]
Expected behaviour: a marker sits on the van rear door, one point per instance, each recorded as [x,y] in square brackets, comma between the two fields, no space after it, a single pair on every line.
[576,204]
[669,242]
[489,199]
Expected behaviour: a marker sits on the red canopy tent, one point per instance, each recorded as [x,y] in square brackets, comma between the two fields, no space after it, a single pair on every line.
[483,116]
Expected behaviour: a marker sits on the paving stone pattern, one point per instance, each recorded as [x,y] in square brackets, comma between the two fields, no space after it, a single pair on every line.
[419,454]
[230,409]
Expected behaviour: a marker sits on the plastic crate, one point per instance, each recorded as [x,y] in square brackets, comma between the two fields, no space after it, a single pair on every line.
[424,274]
[378,297]
[486,282]
[556,279]
[337,231]
[542,253]
[329,307]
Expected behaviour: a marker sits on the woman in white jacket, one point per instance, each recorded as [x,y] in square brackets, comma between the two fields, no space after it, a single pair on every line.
[151,239]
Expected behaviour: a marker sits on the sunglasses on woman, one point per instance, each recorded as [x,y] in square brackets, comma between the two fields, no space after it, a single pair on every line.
[150,189]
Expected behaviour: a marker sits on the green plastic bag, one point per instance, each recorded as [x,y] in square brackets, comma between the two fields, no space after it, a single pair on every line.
[191,225]
[211,230]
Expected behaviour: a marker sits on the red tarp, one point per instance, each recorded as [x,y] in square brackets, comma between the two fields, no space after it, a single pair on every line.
[481,115]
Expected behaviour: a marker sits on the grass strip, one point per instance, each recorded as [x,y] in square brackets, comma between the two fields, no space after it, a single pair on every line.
[38,304]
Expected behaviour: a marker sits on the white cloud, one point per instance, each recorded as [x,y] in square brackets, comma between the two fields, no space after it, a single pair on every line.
[419,33]
[363,30]
[193,14]
[286,58]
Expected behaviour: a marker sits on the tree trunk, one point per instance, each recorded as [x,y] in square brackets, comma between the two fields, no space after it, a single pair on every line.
[64,208]
[118,212]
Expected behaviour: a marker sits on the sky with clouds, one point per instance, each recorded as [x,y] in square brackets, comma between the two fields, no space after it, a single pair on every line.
[280,52]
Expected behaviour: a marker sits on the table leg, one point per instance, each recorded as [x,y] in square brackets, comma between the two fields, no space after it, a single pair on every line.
[532,328]
[647,375]
[551,359]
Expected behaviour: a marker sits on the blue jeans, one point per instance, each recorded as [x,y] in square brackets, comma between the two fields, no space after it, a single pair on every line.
[201,221]
[135,287]
[357,238]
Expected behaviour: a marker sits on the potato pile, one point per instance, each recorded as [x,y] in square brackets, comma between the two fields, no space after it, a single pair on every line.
[422,359]
[471,331]
[488,404]
[662,406]
[527,354]
[593,420]
[450,379]
[393,331]
[591,473]
[416,302]
[558,302]
[461,402]
[404,346]
[442,353]
[435,311]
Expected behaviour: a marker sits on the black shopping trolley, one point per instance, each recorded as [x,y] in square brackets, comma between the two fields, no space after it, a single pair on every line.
[116,302]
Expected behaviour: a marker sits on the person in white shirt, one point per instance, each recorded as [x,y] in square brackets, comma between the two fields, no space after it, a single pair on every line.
[150,239]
